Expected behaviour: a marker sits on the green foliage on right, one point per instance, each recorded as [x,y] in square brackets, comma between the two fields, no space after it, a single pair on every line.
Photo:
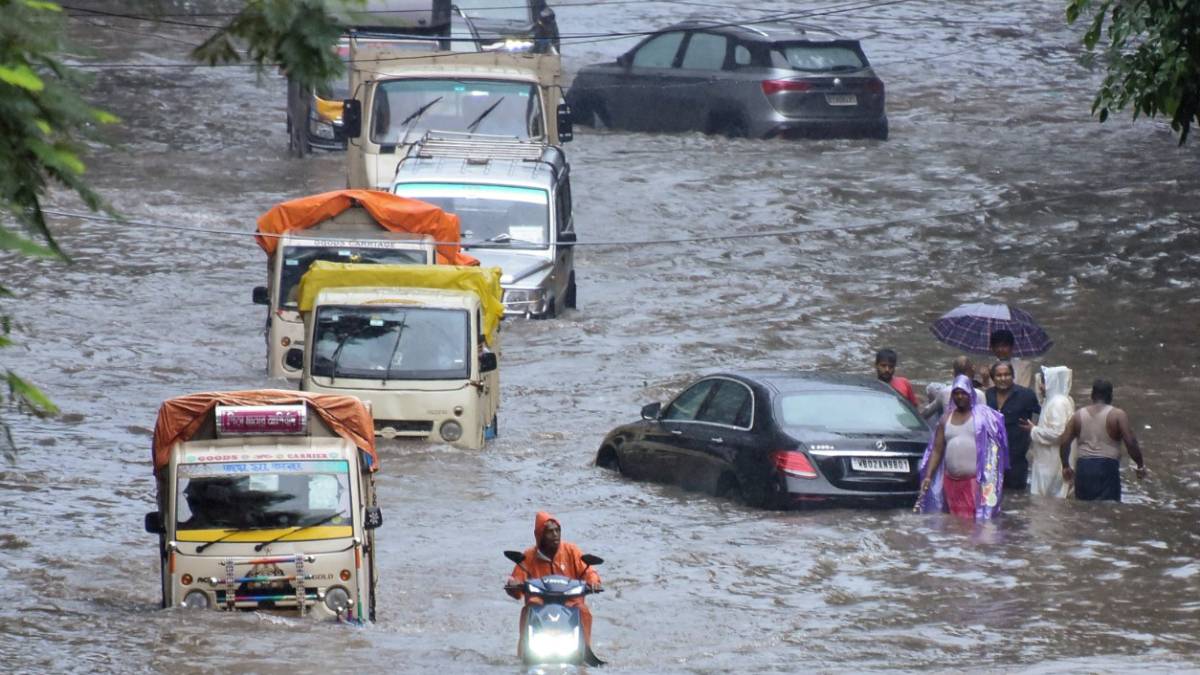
[1152,54]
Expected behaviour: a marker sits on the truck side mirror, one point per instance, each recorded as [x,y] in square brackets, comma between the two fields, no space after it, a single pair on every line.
[566,129]
[260,296]
[566,237]
[352,117]
[154,523]
[651,411]
[294,358]
[546,15]
[374,518]
[488,362]
[589,559]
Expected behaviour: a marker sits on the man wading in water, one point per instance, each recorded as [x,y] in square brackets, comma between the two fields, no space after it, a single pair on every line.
[971,439]
[1100,428]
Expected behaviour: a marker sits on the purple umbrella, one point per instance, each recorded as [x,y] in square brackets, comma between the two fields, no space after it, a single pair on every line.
[969,327]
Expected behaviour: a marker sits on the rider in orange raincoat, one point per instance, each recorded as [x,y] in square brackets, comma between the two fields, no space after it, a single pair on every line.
[552,555]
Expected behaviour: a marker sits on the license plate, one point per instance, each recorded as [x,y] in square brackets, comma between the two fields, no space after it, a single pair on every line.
[882,465]
[841,99]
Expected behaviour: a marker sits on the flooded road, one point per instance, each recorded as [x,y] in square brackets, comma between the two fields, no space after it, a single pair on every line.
[1093,228]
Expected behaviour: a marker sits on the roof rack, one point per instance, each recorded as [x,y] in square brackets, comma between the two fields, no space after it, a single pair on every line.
[482,147]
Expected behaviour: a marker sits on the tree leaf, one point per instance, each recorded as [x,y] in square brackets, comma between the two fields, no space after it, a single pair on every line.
[39,4]
[30,396]
[20,75]
[10,241]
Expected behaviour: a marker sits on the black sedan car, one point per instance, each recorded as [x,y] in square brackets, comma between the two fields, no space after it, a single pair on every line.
[761,80]
[776,439]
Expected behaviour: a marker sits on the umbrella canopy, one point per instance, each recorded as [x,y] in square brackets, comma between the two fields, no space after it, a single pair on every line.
[969,327]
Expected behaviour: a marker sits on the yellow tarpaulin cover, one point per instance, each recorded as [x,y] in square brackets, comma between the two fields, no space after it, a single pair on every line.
[484,281]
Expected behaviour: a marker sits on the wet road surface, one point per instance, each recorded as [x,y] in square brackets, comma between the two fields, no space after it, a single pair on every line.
[1093,228]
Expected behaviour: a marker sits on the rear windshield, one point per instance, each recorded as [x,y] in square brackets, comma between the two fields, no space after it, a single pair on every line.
[849,412]
[817,57]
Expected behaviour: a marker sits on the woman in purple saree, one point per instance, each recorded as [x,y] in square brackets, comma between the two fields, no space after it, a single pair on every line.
[963,467]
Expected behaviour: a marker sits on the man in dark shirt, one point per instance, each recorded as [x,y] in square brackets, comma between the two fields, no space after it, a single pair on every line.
[1016,404]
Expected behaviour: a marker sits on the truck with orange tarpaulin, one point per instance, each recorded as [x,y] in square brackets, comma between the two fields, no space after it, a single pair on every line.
[345,226]
[266,501]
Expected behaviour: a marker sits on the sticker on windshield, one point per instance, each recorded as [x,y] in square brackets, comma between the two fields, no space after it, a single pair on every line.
[376,322]
[264,483]
[345,252]
[291,262]
[323,492]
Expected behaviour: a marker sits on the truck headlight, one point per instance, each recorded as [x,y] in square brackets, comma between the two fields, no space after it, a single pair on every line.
[196,600]
[337,599]
[524,299]
[451,431]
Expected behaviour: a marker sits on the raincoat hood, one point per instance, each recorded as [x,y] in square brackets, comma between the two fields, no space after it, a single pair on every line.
[1058,381]
[539,525]
[962,382]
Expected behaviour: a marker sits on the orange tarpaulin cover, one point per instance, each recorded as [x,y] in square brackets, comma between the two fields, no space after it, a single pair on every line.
[179,418]
[393,212]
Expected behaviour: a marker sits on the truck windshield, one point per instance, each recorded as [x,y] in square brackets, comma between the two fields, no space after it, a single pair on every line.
[264,495]
[490,215]
[511,10]
[297,259]
[391,343]
[476,106]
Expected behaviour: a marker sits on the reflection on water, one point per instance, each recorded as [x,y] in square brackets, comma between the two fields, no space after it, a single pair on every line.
[1097,237]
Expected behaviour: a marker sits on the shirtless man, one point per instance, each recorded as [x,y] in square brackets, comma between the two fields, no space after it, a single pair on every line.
[1100,429]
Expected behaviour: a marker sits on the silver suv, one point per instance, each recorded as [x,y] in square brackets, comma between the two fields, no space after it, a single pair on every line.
[513,201]
[754,79]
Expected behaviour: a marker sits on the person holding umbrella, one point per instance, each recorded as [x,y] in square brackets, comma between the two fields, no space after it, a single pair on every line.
[1001,343]
[1003,331]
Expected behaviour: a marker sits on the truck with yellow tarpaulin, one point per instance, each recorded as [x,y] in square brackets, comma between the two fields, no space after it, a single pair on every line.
[419,342]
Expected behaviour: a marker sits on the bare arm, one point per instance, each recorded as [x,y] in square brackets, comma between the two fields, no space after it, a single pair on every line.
[935,457]
[1064,445]
[1131,441]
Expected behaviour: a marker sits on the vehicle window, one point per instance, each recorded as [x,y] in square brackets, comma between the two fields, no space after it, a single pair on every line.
[297,259]
[816,58]
[726,404]
[741,56]
[410,107]
[389,343]
[512,12]
[490,216]
[244,495]
[705,51]
[686,405]
[659,52]
[848,411]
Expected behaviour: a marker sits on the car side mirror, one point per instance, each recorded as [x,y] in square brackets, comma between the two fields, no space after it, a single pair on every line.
[651,411]
[260,296]
[154,524]
[488,362]
[294,358]
[373,519]
[567,238]
[352,117]
[566,128]
[625,60]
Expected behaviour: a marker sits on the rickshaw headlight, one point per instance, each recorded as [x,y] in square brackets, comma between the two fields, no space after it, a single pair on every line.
[196,600]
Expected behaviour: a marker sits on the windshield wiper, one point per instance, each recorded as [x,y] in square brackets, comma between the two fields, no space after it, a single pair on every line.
[201,547]
[298,528]
[416,115]
[475,124]
[337,352]
[387,375]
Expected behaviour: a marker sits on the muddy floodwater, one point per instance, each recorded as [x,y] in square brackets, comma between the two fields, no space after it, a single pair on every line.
[996,184]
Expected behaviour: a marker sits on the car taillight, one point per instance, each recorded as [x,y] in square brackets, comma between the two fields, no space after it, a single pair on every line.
[793,463]
[775,86]
[875,86]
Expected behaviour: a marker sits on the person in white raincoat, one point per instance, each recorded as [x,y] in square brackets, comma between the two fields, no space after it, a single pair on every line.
[1045,466]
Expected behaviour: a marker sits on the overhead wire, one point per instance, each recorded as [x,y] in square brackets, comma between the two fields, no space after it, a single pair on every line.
[787,232]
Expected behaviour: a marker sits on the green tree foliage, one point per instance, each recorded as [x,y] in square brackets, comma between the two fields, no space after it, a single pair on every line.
[43,123]
[298,35]
[1153,57]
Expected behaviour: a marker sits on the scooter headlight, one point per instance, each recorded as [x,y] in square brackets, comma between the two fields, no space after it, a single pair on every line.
[338,600]
[196,600]
[451,431]
[556,644]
